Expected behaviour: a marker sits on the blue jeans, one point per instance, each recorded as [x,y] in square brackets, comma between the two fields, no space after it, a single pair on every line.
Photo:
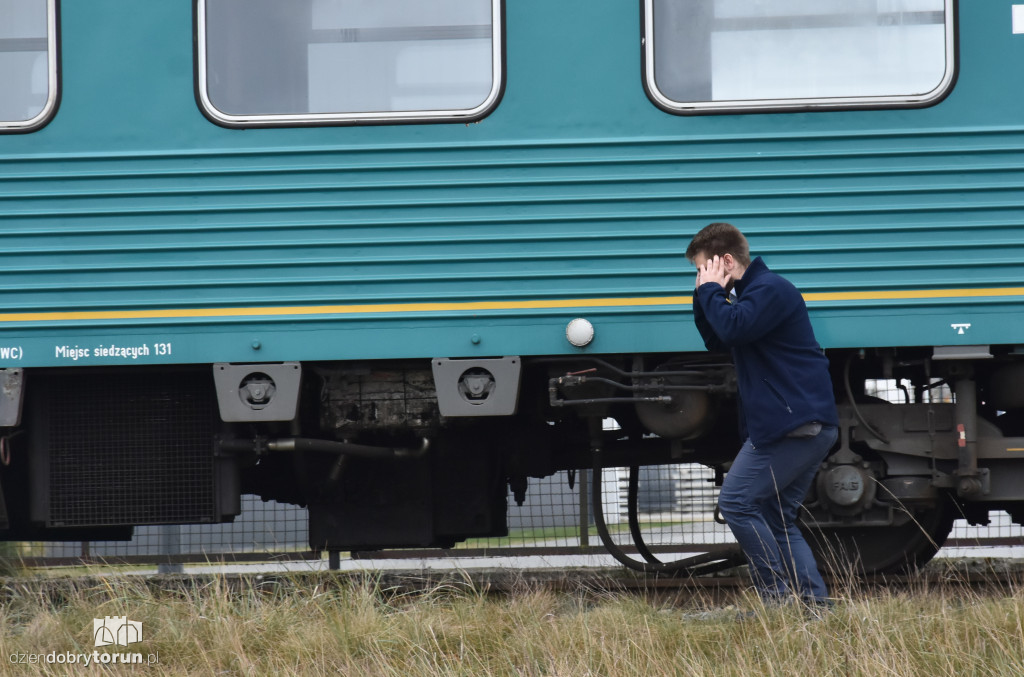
[759,500]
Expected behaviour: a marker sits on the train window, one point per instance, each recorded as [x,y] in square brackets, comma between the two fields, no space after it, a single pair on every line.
[28,63]
[268,62]
[722,55]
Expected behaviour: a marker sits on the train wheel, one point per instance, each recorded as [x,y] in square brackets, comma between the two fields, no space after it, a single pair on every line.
[871,550]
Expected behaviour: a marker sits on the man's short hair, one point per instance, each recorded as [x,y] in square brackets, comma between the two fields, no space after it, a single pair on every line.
[719,239]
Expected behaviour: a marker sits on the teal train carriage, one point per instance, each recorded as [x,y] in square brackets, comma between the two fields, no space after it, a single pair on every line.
[388,259]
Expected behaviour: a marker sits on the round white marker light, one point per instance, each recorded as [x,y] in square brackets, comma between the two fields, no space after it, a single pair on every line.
[579,332]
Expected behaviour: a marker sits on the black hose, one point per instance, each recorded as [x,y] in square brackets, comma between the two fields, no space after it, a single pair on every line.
[633,512]
[856,411]
[699,564]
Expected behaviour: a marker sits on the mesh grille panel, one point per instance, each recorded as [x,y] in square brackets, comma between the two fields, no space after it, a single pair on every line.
[130,448]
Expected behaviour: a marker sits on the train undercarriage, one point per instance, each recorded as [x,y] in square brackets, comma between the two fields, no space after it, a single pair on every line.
[417,454]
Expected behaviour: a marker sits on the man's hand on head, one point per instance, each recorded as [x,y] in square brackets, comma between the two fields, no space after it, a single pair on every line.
[713,270]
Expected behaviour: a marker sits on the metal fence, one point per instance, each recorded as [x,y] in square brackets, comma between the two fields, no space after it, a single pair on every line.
[264,530]
[675,503]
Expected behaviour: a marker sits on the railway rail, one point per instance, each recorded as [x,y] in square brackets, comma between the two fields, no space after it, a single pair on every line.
[988,576]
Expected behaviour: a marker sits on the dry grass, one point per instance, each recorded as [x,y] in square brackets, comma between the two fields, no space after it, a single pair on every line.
[328,626]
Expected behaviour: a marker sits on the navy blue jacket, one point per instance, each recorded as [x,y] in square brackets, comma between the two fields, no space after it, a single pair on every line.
[782,372]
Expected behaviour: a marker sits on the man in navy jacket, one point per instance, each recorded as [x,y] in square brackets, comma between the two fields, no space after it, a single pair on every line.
[787,401]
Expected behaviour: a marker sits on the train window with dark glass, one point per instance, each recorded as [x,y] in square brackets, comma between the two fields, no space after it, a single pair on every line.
[28,63]
[268,62]
[721,55]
